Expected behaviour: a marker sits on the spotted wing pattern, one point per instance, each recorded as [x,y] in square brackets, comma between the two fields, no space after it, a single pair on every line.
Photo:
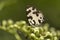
[34,16]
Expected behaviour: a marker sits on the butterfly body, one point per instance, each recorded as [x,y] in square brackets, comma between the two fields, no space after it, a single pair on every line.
[34,16]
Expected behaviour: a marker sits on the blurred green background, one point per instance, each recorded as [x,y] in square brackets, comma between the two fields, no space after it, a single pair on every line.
[15,10]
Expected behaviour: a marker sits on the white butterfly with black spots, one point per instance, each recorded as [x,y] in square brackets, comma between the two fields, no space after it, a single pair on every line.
[34,16]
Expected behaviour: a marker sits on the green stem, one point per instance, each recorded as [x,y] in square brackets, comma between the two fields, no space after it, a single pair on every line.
[17,36]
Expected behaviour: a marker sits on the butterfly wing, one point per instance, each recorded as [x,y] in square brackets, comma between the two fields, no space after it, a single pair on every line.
[34,16]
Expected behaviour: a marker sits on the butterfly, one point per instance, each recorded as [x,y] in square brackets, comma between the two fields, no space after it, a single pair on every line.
[34,16]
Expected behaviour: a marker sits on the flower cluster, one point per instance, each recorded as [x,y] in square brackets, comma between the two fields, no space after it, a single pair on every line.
[43,32]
